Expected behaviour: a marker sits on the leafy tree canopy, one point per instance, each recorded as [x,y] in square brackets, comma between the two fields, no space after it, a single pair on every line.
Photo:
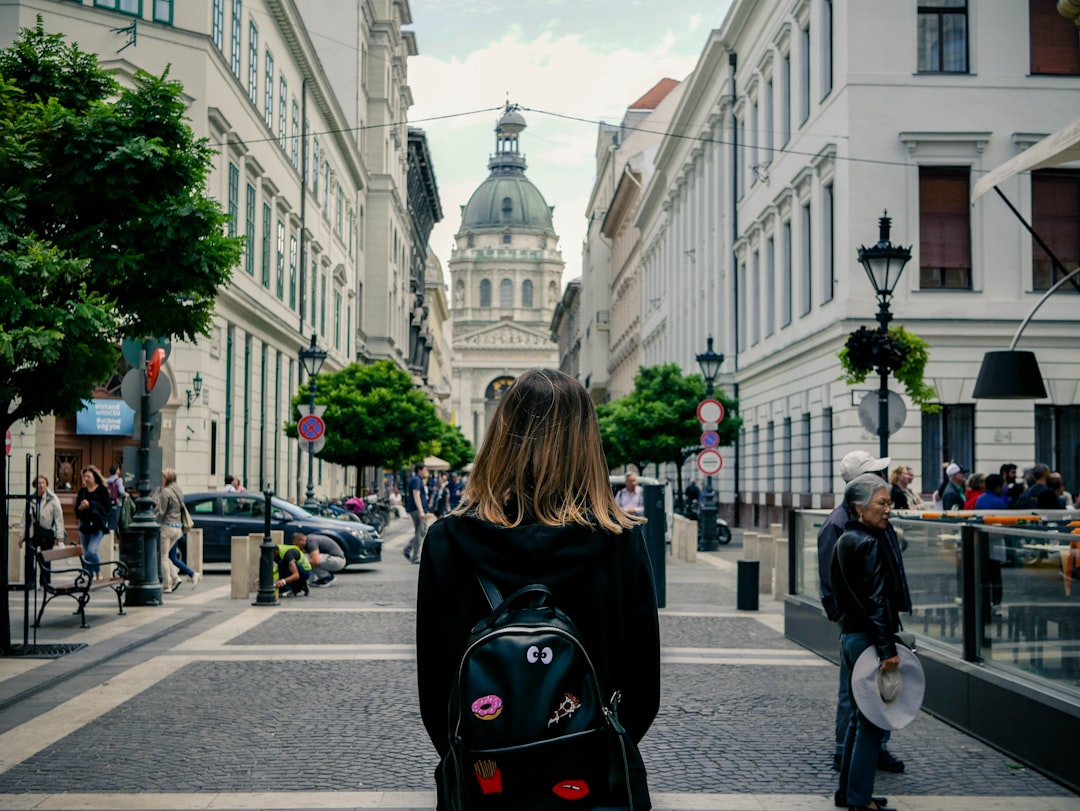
[106,230]
[374,415]
[657,422]
[451,446]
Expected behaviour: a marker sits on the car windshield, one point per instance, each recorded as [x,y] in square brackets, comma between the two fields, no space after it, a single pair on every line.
[294,510]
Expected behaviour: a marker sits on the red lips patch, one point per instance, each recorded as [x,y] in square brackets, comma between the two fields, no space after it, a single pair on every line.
[571,789]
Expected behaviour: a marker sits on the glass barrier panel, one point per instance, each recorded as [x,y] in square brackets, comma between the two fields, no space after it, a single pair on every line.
[807,524]
[1031,602]
[932,561]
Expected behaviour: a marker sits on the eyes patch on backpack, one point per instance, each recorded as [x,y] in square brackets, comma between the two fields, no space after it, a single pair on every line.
[571,789]
[488,776]
[566,708]
[536,654]
[487,708]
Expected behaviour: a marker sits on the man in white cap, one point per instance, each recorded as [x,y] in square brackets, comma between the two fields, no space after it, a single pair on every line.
[852,465]
[953,496]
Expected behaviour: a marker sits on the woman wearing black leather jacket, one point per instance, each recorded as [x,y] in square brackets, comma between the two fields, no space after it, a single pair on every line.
[871,590]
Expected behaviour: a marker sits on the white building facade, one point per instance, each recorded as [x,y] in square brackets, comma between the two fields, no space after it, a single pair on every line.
[505,272]
[801,124]
[255,88]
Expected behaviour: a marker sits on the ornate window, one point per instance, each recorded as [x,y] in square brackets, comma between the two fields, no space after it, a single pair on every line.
[526,293]
[506,293]
[485,293]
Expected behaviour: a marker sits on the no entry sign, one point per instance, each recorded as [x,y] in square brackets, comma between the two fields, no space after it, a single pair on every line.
[311,427]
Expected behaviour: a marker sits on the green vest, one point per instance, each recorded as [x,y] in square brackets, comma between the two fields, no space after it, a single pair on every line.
[303,562]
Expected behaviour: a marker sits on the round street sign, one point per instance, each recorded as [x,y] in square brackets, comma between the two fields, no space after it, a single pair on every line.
[311,427]
[7,444]
[709,462]
[710,410]
[710,439]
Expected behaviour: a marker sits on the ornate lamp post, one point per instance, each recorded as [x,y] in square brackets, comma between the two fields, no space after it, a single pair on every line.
[710,363]
[312,359]
[883,263]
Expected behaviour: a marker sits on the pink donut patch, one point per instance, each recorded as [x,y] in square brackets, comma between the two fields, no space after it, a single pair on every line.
[487,708]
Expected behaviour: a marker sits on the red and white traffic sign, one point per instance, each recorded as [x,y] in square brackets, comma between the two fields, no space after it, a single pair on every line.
[7,444]
[311,427]
[710,410]
[709,462]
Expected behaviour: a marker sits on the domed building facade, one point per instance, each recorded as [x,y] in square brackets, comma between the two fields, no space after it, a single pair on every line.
[505,277]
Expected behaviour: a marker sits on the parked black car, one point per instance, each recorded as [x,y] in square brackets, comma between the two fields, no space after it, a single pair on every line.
[222,515]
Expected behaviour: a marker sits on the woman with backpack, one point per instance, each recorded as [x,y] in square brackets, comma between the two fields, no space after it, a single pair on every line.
[538,515]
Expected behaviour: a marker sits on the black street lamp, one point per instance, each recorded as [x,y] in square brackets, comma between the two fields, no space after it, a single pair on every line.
[312,359]
[883,263]
[710,363]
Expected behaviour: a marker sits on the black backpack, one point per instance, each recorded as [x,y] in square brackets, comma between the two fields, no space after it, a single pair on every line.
[529,728]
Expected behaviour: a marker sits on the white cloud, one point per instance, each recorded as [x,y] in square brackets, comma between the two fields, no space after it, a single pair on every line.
[545,74]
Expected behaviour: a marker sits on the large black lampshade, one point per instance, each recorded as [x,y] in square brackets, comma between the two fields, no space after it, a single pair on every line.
[1010,374]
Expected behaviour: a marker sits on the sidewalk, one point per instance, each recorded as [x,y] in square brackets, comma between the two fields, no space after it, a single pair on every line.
[208,702]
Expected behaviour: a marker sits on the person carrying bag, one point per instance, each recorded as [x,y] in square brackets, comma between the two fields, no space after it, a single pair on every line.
[538,525]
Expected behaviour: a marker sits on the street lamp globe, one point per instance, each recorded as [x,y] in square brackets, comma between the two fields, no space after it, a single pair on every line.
[312,358]
[710,363]
[884,262]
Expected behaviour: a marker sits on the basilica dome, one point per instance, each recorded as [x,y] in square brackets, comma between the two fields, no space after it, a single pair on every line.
[507,199]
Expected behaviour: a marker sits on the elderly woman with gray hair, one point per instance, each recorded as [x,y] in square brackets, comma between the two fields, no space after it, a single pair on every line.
[871,590]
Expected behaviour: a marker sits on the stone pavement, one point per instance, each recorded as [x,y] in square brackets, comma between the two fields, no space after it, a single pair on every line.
[211,703]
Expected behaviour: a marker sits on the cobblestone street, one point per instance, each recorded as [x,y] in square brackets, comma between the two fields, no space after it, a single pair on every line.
[211,703]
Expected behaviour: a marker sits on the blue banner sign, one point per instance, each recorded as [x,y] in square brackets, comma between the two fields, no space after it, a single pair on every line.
[105,418]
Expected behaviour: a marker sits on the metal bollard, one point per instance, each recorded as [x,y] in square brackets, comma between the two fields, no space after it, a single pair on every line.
[747,599]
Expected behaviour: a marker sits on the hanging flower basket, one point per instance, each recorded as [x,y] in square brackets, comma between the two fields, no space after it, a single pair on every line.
[903,354]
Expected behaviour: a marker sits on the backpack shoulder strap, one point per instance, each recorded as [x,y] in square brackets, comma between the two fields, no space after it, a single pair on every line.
[491,591]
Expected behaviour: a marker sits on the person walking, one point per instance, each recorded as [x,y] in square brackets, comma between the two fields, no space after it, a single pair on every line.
[170,500]
[115,485]
[416,499]
[852,465]
[43,525]
[538,509]
[870,590]
[92,509]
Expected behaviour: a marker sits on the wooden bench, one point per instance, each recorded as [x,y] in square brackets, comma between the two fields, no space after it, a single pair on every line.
[60,577]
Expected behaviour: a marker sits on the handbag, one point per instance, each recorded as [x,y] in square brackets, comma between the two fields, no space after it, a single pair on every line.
[43,535]
[186,524]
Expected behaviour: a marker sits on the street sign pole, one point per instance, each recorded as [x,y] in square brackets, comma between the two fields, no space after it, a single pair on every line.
[710,412]
[141,541]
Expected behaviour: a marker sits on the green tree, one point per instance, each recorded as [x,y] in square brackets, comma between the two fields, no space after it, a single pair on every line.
[657,422]
[451,446]
[374,415]
[106,230]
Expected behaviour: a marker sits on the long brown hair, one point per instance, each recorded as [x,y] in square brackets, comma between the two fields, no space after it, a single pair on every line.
[541,460]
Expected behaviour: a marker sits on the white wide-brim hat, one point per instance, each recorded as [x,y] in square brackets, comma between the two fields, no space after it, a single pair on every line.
[888,700]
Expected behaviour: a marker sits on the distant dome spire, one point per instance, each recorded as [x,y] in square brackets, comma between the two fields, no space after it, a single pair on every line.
[508,157]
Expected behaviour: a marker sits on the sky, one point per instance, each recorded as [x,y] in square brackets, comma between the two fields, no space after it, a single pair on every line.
[587,59]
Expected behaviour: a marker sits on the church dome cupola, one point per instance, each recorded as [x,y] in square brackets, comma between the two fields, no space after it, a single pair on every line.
[508,155]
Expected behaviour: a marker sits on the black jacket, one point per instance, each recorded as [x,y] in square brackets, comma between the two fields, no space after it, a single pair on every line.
[94,518]
[869,585]
[602,581]
[827,537]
